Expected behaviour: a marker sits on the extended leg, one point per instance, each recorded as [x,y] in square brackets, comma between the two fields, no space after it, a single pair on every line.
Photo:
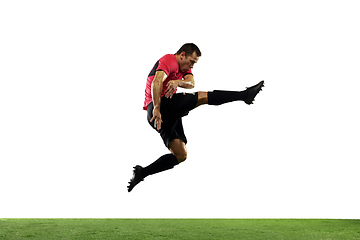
[202,98]
[220,97]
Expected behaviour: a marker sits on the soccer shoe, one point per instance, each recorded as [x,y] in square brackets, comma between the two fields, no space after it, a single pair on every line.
[253,91]
[137,177]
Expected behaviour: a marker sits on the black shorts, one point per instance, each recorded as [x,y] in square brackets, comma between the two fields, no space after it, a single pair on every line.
[172,110]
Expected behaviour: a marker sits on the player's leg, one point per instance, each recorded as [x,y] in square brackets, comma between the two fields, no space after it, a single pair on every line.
[202,99]
[175,140]
[181,104]
[220,97]
[178,154]
[178,148]
[163,163]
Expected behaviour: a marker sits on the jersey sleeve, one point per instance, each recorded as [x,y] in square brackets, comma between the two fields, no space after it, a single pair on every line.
[166,64]
[188,72]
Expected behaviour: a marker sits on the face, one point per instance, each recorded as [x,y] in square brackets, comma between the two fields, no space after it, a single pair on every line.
[187,63]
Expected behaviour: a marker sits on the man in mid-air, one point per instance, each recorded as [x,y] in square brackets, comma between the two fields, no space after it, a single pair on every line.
[165,107]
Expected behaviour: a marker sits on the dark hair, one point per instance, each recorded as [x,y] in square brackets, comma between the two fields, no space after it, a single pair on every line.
[189,48]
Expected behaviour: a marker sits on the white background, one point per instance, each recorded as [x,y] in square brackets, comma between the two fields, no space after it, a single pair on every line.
[73,75]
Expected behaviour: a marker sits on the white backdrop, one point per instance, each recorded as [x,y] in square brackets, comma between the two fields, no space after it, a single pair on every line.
[72,127]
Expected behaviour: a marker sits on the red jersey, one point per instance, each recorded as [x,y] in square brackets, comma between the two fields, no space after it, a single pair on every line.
[170,66]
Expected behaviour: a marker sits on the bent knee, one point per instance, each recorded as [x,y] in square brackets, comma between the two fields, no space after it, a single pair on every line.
[181,156]
[178,148]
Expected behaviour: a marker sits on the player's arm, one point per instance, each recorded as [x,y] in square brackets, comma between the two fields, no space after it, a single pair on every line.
[188,82]
[156,89]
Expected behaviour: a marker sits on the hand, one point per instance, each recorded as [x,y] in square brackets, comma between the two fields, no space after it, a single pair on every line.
[170,88]
[157,118]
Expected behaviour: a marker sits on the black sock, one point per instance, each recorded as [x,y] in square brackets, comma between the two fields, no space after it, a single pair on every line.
[165,162]
[220,97]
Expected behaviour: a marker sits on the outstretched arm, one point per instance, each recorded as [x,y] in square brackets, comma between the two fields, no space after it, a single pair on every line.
[156,89]
[188,82]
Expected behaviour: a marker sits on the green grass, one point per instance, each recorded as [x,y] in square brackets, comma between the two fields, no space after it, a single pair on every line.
[198,229]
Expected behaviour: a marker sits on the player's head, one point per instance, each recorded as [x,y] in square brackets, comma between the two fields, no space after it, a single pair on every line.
[188,55]
[189,49]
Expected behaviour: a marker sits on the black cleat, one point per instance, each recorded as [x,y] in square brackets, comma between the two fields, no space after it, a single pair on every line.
[137,177]
[253,91]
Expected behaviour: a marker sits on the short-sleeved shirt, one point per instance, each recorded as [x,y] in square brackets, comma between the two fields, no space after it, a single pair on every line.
[170,66]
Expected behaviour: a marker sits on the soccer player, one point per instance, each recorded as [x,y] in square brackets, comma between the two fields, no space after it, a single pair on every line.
[165,107]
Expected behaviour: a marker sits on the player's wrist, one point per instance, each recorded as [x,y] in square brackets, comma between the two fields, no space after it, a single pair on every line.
[178,83]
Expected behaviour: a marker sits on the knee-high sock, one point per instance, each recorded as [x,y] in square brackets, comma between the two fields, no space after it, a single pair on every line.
[165,162]
[220,97]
